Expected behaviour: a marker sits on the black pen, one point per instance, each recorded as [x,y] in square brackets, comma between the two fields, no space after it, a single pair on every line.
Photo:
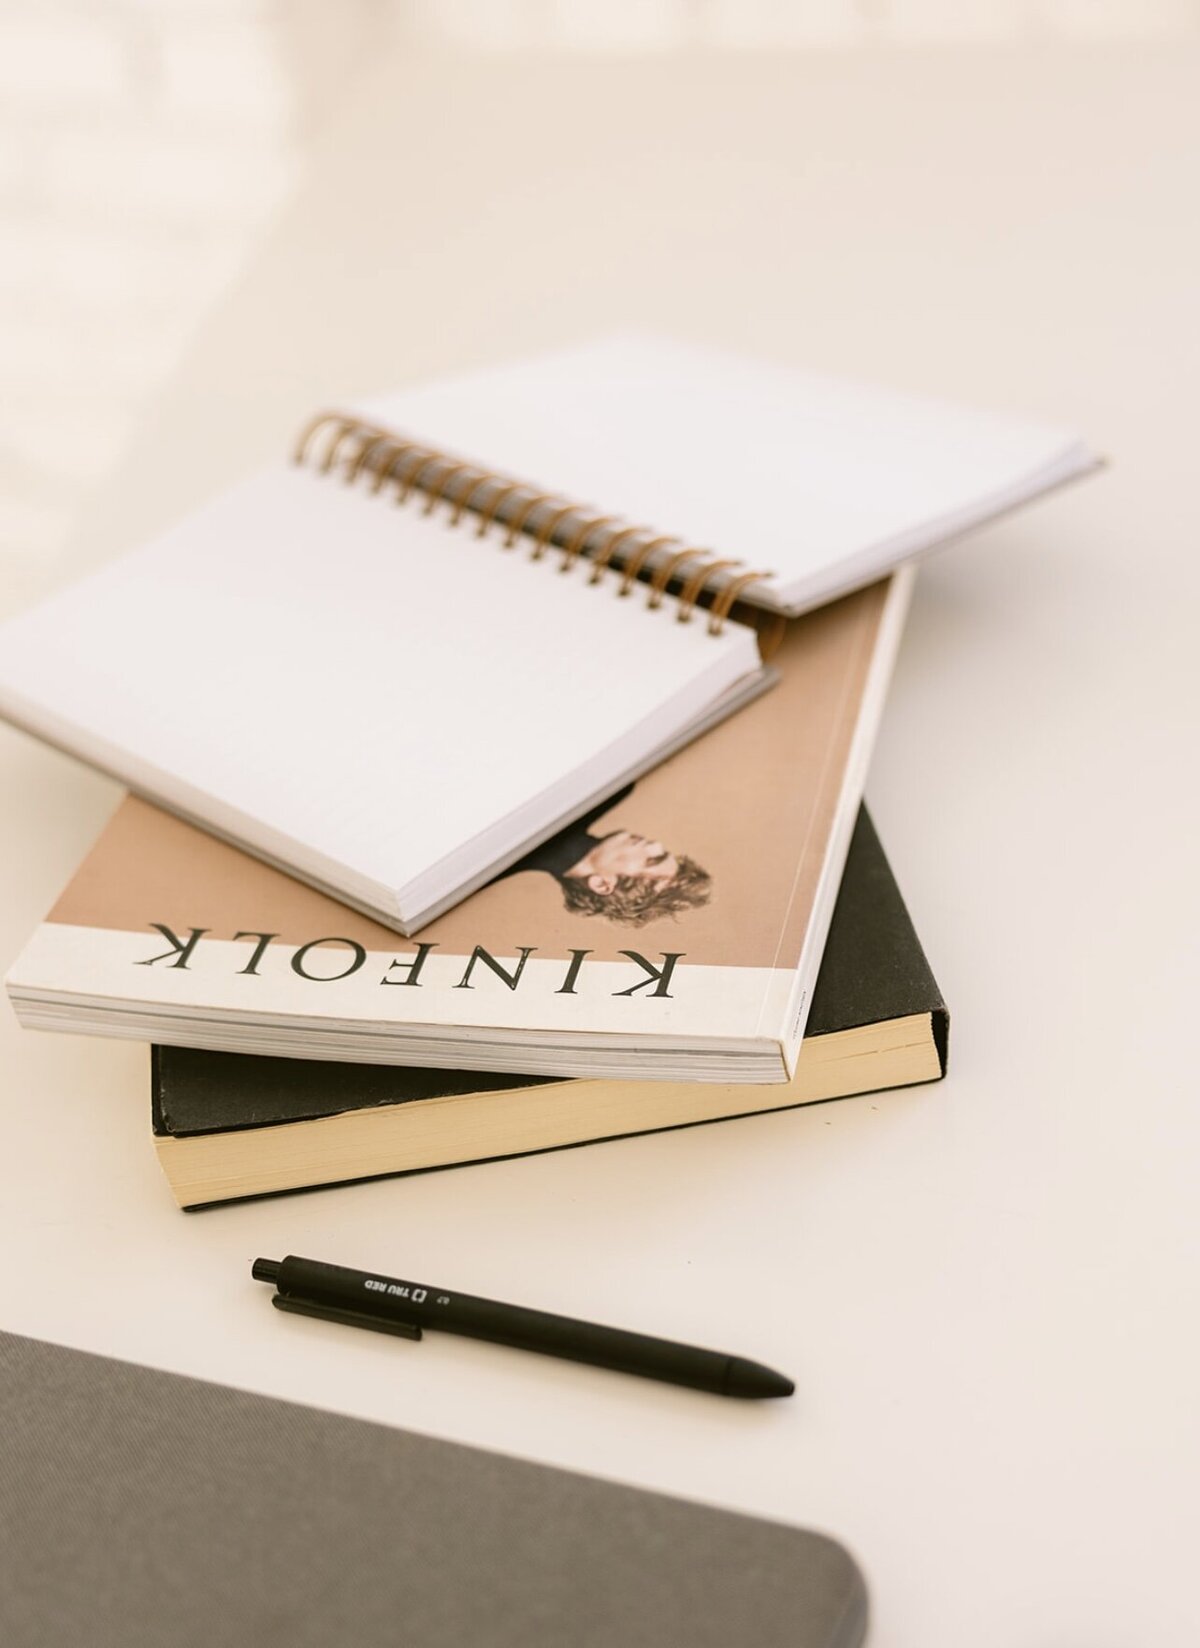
[362,1299]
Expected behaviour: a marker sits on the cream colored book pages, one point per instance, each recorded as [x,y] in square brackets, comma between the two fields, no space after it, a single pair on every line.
[387,706]
[443,1132]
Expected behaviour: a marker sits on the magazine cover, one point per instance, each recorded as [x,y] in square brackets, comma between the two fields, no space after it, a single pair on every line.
[674,931]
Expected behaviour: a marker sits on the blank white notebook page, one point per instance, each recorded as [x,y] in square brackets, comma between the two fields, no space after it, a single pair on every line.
[362,679]
[822,481]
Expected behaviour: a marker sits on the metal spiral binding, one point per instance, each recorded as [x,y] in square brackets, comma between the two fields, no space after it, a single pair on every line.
[356,448]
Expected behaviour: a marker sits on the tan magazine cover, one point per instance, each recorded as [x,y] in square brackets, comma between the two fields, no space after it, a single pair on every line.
[675,933]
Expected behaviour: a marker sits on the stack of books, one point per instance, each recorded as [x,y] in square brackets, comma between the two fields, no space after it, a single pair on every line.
[529,813]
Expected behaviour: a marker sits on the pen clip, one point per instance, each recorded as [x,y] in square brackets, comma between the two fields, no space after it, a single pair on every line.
[299,1306]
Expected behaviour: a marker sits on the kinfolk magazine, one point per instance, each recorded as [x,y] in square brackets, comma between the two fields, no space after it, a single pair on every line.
[674,934]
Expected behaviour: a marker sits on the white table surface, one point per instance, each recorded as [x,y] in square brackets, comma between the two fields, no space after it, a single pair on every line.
[987,1289]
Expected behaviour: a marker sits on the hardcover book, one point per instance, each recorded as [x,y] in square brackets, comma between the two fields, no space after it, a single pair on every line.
[674,933]
[395,712]
[229,1125]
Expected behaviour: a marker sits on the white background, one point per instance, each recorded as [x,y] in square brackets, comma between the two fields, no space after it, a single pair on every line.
[985,1290]
[145,143]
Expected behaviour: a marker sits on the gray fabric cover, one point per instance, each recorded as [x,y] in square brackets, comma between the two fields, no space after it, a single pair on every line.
[143,1510]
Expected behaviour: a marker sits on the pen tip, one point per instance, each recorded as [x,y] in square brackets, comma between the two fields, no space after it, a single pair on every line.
[265,1270]
[751,1379]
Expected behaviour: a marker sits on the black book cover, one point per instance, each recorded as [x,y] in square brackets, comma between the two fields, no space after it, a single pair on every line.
[873,971]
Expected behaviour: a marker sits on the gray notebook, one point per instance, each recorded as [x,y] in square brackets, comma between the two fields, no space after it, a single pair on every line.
[139,1507]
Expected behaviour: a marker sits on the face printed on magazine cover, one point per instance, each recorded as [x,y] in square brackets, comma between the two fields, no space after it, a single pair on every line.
[621,876]
[624,854]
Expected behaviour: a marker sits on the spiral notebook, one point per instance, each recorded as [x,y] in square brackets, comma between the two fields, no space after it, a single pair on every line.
[396,712]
